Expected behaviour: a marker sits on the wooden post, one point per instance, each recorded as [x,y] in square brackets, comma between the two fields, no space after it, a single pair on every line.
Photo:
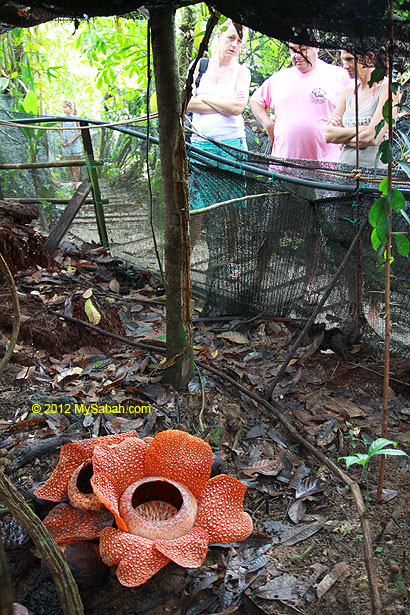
[67,217]
[91,167]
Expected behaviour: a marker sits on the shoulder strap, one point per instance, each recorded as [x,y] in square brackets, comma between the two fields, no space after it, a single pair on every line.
[203,65]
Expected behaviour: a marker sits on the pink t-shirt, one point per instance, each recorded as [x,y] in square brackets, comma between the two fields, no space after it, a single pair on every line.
[303,102]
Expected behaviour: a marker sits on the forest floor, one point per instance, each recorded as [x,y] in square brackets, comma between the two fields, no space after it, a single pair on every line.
[306,552]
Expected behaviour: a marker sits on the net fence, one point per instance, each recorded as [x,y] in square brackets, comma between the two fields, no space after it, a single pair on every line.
[273,250]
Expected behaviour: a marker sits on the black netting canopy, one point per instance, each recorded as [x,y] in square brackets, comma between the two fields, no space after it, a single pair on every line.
[360,25]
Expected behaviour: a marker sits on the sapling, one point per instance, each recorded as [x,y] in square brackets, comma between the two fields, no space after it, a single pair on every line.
[376,448]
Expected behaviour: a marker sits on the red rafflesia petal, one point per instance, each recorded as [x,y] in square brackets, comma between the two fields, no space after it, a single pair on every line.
[72,455]
[114,470]
[220,510]
[55,488]
[188,551]
[68,524]
[137,558]
[179,456]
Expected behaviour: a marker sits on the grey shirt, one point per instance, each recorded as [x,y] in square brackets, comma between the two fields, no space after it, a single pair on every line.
[367,155]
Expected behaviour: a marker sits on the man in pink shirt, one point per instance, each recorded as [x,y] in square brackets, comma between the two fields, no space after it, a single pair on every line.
[303,97]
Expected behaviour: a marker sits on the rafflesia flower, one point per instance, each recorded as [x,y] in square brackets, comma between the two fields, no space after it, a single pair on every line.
[85,516]
[165,506]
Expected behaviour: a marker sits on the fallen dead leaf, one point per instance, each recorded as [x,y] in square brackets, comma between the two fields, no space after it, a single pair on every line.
[267,467]
[299,533]
[330,579]
[341,408]
[297,511]
[308,486]
[234,336]
[114,286]
[93,314]
[87,293]
[285,588]
[26,373]
[71,371]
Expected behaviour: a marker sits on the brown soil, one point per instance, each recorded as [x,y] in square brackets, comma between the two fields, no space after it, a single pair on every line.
[334,401]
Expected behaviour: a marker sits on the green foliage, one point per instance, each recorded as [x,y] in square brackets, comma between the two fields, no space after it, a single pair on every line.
[378,447]
[379,215]
[377,75]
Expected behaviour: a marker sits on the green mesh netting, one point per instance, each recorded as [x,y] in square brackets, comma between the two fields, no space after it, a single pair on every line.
[275,253]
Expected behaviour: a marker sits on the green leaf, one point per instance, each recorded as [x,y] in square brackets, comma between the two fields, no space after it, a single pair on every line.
[378,444]
[93,314]
[404,138]
[396,199]
[377,75]
[375,240]
[385,151]
[362,458]
[378,211]
[380,257]
[405,216]
[391,452]
[349,460]
[4,82]
[394,87]
[385,111]
[30,103]
[383,186]
[402,244]
[405,166]
[382,229]
[378,127]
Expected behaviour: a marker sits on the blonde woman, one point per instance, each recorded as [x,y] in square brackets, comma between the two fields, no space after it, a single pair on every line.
[71,140]
[217,105]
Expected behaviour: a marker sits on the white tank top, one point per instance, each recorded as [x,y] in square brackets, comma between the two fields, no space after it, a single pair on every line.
[215,125]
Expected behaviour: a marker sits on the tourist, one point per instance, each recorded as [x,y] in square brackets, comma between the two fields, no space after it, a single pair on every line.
[217,105]
[341,127]
[302,97]
[71,140]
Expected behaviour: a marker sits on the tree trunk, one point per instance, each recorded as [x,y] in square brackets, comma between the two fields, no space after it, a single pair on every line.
[186,43]
[174,169]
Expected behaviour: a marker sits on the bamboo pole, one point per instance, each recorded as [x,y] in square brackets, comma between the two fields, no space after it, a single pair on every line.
[55,201]
[47,165]
[387,280]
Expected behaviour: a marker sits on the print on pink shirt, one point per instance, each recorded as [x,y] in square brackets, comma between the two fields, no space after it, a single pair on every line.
[318,96]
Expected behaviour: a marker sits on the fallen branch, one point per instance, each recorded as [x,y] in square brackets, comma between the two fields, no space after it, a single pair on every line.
[113,336]
[48,549]
[37,449]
